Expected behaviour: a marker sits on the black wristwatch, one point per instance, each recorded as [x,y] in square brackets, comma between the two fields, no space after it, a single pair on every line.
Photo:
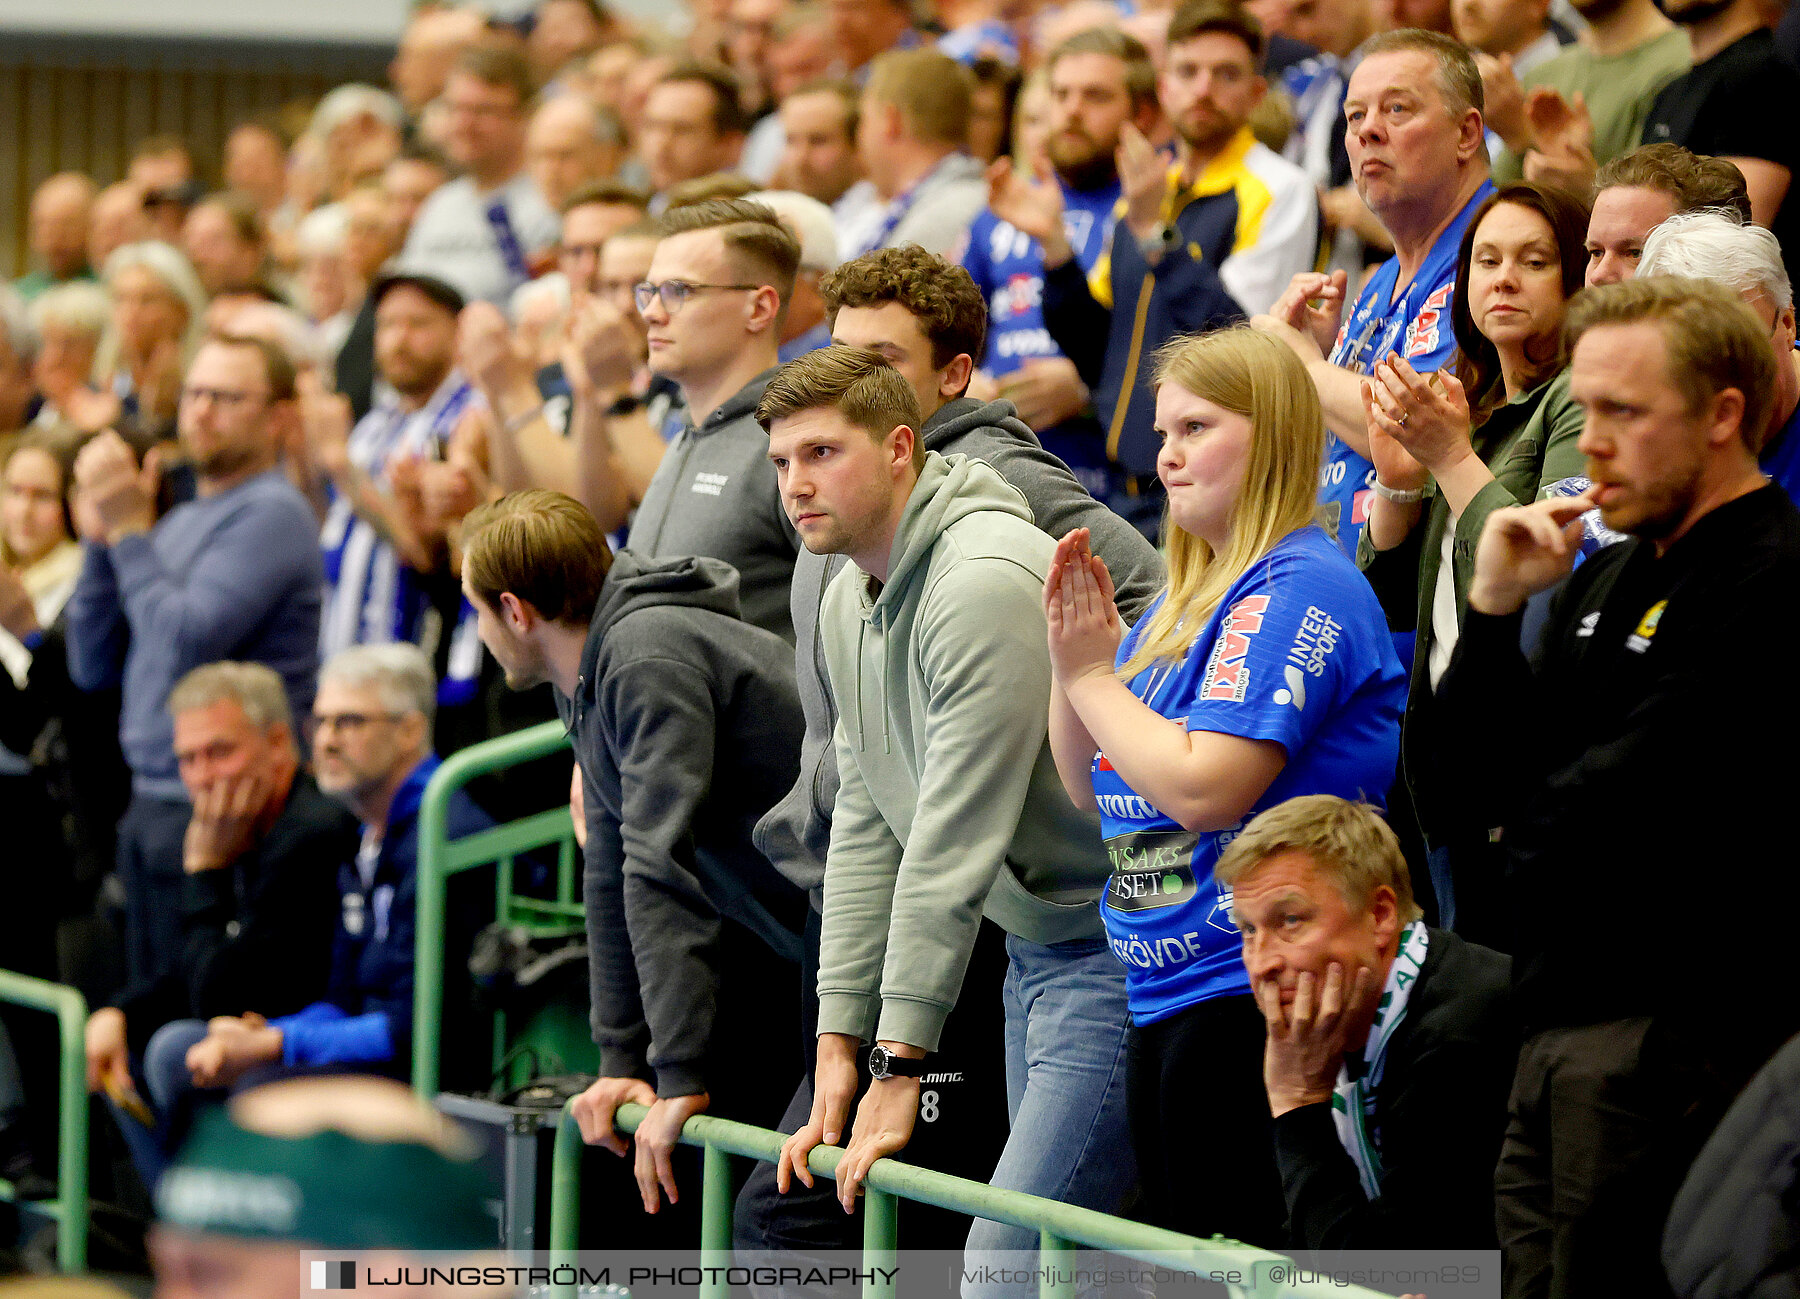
[883,1063]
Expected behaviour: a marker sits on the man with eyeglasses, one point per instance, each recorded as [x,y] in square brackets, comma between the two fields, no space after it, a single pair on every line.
[232,574]
[693,125]
[713,304]
[490,230]
[371,751]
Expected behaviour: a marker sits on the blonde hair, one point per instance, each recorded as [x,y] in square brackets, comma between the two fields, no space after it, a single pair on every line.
[1347,842]
[932,91]
[1255,376]
[176,275]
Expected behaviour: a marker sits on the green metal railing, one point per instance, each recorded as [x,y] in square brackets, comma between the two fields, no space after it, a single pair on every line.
[70,1207]
[1060,1227]
[441,857]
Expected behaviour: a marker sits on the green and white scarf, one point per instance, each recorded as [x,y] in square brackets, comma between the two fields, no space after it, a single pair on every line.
[1353,1099]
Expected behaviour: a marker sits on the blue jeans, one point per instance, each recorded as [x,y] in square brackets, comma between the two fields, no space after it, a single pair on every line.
[165,1084]
[1066,1021]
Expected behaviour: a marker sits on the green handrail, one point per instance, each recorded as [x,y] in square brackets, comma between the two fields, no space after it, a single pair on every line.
[70,1207]
[1060,1227]
[440,858]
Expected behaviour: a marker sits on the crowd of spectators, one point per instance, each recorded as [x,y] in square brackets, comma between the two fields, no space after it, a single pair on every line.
[1141,594]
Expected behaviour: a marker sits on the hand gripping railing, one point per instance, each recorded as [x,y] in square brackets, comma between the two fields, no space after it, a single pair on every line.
[440,858]
[70,1207]
[1060,1227]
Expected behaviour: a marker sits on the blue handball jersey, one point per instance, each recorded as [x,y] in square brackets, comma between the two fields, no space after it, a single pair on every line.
[1007,265]
[1416,325]
[1298,652]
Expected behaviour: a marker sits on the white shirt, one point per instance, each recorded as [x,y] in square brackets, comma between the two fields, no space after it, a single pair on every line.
[1285,235]
[453,239]
[1445,629]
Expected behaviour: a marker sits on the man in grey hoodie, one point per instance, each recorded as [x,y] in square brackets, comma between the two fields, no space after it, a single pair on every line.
[927,318]
[949,806]
[686,728]
[718,288]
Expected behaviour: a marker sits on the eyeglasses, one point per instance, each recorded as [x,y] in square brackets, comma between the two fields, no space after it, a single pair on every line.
[675,293]
[223,398]
[473,108]
[351,723]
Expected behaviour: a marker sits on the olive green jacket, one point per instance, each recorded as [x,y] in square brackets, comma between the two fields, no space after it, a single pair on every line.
[1528,444]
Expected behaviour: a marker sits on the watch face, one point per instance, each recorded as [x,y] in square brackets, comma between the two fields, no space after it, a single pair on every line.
[879,1057]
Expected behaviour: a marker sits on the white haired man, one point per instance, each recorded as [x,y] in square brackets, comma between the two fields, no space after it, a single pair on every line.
[372,751]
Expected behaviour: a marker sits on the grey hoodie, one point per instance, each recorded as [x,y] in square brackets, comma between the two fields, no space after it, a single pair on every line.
[796,831]
[687,727]
[950,806]
[715,494]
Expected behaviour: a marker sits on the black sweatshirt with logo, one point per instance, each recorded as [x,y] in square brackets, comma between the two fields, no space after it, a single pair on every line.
[1640,768]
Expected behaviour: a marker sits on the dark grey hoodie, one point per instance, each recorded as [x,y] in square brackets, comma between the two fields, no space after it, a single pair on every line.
[797,831]
[687,728]
[715,494]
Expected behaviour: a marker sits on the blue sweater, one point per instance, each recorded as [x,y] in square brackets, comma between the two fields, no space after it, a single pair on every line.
[233,576]
[366,1016]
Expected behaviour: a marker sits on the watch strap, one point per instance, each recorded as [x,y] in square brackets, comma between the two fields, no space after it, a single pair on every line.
[1397,496]
[883,1063]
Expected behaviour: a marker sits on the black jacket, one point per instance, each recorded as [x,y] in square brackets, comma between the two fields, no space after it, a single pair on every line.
[1114,348]
[1645,754]
[687,727]
[1440,1113]
[256,934]
[72,735]
[1734,1230]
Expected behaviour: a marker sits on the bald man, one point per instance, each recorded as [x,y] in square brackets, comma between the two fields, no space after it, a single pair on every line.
[61,211]
[117,218]
[571,143]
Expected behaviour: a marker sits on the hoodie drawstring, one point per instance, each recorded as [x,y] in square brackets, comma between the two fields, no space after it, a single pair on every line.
[862,631]
[887,676]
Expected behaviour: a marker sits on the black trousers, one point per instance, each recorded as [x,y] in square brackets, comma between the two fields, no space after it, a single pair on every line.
[1200,1123]
[149,862]
[753,1060]
[1605,1120]
[965,1135]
